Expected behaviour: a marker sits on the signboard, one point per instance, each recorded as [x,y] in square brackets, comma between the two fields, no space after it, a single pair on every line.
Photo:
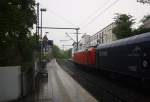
[50,42]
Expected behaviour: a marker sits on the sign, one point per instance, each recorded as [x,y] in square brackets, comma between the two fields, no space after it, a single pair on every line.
[50,42]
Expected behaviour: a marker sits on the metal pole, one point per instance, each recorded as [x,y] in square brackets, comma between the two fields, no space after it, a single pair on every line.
[38,20]
[37,25]
[70,37]
[102,37]
[42,9]
[63,48]
[77,38]
[77,32]
[41,26]
[57,28]
[41,40]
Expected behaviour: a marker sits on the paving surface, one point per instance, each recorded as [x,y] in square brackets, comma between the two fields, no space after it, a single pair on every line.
[62,88]
[59,87]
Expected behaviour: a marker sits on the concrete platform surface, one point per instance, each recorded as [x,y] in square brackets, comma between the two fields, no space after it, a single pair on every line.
[62,88]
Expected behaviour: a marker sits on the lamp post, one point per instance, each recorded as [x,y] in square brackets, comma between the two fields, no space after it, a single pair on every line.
[42,10]
[37,23]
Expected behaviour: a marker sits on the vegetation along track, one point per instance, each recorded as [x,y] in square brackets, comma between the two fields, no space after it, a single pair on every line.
[103,89]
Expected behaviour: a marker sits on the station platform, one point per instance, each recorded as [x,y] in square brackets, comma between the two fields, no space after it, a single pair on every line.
[63,88]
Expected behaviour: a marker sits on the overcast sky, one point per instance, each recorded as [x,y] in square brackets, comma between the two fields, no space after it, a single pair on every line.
[90,15]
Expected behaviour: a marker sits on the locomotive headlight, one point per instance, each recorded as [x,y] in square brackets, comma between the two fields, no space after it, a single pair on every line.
[145,63]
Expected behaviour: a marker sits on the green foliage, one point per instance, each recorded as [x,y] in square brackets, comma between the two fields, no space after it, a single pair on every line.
[55,51]
[28,47]
[65,54]
[16,20]
[124,24]
[123,27]
[58,53]
[141,29]
[69,53]
[145,18]
[19,52]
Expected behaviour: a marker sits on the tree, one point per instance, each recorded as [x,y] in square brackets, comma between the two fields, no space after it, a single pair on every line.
[69,52]
[58,53]
[123,27]
[16,20]
[55,51]
[143,29]
[145,18]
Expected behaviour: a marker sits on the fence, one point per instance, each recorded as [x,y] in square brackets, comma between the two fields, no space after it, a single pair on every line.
[17,81]
[10,86]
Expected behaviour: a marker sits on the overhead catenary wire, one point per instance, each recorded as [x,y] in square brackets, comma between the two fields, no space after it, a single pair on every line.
[95,12]
[65,40]
[70,37]
[103,11]
[59,16]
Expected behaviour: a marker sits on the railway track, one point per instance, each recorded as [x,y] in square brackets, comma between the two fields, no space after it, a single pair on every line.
[102,88]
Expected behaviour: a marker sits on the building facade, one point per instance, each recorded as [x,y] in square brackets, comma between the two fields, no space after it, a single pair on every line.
[147,24]
[84,43]
[103,36]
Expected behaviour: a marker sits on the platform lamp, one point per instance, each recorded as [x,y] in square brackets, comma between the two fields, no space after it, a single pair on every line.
[42,10]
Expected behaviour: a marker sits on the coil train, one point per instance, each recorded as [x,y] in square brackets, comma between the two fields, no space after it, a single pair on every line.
[129,56]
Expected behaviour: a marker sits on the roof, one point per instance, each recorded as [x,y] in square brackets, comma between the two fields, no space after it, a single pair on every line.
[45,38]
[126,41]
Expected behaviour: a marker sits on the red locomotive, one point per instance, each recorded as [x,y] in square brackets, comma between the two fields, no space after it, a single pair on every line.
[86,57]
